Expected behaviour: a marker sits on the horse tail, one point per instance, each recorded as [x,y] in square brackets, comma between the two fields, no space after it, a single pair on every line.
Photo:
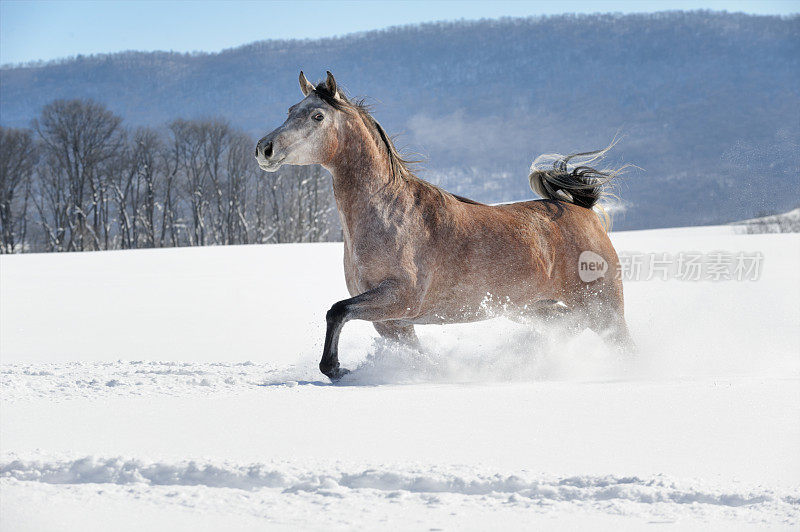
[570,178]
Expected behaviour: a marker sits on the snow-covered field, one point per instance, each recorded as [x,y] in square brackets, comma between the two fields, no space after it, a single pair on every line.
[178,389]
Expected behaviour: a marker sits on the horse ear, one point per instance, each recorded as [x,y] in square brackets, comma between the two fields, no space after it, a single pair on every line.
[331,84]
[305,85]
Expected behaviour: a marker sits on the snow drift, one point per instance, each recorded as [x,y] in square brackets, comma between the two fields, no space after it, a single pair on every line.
[179,389]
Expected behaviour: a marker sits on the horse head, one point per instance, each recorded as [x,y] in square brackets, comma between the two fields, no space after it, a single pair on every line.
[310,133]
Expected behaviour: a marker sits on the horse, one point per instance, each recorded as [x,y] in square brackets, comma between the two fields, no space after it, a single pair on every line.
[417,254]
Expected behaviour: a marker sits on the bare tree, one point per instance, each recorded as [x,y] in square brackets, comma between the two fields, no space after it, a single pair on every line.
[81,136]
[147,145]
[262,227]
[170,217]
[98,186]
[18,157]
[52,201]
[187,153]
[295,204]
[215,137]
[133,179]
[241,174]
[319,206]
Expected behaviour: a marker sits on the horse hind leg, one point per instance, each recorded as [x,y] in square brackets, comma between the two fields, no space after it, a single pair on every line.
[549,318]
[537,312]
[550,310]
[616,335]
[608,321]
[605,318]
[398,332]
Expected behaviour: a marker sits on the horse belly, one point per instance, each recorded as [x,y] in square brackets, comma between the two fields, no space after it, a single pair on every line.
[483,288]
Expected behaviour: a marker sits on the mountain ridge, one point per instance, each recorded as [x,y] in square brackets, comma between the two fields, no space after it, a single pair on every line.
[707,102]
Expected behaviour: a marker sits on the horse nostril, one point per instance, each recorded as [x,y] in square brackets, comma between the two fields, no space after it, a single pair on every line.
[268,150]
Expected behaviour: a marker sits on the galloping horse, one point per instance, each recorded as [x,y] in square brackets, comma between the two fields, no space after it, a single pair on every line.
[416,254]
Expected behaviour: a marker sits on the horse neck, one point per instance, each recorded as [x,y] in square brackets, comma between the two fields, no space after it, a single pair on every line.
[362,176]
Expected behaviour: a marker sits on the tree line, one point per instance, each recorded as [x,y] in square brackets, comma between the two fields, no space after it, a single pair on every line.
[79,180]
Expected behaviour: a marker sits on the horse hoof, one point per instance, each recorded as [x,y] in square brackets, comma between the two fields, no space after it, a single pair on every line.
[337,374]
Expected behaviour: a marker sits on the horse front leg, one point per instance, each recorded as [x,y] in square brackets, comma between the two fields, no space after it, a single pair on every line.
[390,300]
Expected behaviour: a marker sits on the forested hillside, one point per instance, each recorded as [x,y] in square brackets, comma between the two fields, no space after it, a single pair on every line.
[708,104]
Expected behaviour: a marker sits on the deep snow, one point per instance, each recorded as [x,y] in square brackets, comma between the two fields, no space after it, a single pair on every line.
[178,389]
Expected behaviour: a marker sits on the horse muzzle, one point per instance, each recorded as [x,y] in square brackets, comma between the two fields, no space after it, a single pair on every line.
[265,155]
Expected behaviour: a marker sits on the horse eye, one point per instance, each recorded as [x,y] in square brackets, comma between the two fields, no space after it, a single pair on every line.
[318,117]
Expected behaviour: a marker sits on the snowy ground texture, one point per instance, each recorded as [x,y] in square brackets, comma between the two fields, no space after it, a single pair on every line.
[178,390]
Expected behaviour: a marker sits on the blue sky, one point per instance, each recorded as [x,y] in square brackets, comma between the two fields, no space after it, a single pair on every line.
[33,30]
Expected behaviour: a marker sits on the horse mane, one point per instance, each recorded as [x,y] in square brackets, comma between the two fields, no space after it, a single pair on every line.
[398,164]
